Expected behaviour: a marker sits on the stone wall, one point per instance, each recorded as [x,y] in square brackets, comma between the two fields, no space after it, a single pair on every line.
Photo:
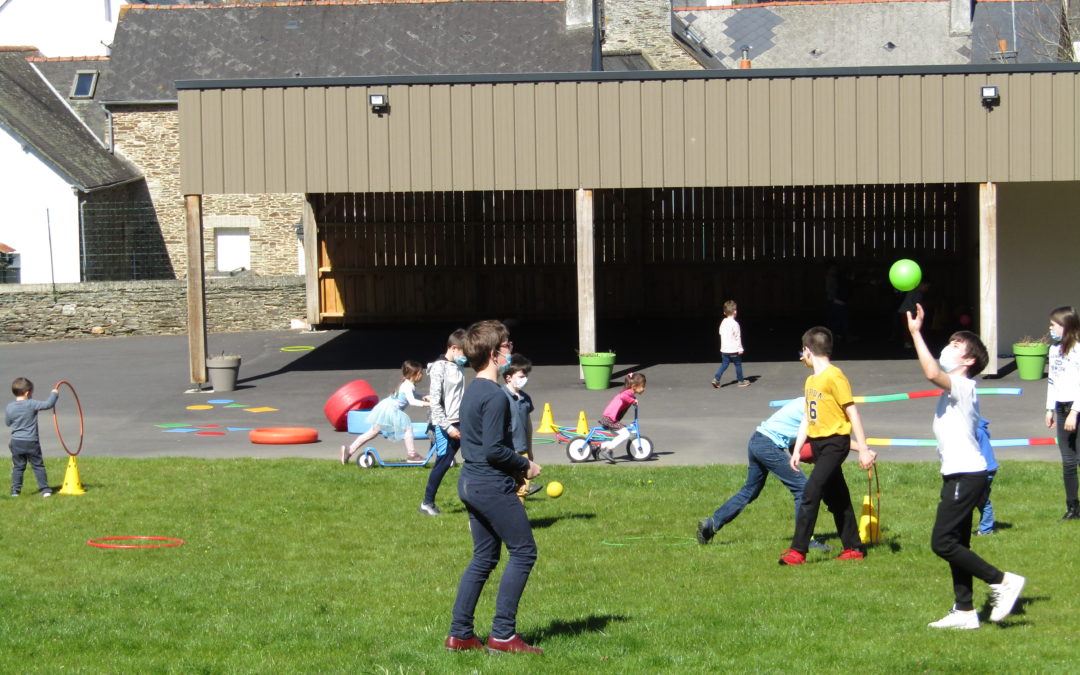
[149,136]
[33,312]
[645,25]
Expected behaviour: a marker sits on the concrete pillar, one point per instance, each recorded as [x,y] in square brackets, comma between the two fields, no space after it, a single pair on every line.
[960,17]
[579,13]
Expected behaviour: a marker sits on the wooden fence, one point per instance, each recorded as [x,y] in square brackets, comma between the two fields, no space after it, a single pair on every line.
[660,252]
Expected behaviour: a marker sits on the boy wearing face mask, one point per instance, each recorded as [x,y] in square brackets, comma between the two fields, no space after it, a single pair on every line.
[965,478]
[516,376]
[447,377]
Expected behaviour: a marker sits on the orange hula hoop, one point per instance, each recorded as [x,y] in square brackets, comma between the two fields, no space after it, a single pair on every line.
[56,424]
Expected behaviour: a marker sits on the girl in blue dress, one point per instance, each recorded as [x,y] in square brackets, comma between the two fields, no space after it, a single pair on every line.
[388,417]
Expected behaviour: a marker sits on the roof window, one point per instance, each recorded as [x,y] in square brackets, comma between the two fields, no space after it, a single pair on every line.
[84,85]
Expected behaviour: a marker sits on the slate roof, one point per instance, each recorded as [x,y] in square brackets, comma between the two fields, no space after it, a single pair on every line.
[154,46]
[871,33]
[41,121]
[60,72]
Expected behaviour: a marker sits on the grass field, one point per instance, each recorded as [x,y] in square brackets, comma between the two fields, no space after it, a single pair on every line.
[308,566]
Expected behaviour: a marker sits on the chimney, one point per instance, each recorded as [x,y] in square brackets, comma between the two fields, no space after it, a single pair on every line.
[579,13]
[960,17]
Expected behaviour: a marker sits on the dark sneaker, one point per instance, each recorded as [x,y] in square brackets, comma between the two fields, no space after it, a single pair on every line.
[14,493]
[851,554]
[792,557]
[609,455]
[534,488]
[819,546]
[47,493]
[514,645]
[430,509]
[704,531]
[458,645]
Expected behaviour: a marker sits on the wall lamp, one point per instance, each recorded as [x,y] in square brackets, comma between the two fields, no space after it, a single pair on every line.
[380,105]
[990,96]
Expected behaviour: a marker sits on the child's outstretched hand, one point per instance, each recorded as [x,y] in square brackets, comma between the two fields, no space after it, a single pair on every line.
[914,322]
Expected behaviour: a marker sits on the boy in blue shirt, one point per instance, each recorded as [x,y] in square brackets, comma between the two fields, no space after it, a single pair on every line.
[516,376]
[768,451]
[21,415]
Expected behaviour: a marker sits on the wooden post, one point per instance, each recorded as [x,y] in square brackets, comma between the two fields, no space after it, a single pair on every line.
[196,289]
[586,286]
[311,264]
[988,296]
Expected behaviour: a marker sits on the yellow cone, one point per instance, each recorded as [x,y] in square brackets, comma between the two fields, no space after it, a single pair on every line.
[869,528]
[582,424]
[547,424]
[72,484]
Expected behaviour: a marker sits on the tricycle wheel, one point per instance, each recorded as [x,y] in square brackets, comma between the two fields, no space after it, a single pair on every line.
[365,461]
[578,450]
[639,449]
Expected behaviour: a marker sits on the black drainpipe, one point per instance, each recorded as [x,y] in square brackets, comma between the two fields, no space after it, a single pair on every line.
[597,61]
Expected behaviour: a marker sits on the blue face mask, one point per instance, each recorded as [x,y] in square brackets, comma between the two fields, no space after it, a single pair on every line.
[461,361]
[1055,336]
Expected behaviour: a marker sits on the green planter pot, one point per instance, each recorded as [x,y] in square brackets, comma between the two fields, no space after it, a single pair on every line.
[1030,359]
[597,369]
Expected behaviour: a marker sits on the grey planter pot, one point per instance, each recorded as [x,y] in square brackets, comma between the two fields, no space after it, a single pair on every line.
[223,371]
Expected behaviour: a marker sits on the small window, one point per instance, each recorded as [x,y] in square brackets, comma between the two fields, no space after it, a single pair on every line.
[233,246]
[84,85]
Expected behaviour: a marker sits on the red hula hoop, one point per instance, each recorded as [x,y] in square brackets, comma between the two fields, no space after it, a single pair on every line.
[56,424]
[171,541]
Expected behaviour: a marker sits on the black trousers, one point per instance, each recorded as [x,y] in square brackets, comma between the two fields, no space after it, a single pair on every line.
[826,483]
[961,493]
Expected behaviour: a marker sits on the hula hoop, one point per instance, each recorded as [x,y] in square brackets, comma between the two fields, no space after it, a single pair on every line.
[298,348]
[628,541]
[56,424]
[170,542]
[543,441]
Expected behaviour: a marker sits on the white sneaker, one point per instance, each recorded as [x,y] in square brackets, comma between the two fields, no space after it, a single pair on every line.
[1003,596]
[958,620]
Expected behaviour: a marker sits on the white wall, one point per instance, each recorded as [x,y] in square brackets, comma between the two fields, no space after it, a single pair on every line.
[27,189]
[60,27]
[1038,256]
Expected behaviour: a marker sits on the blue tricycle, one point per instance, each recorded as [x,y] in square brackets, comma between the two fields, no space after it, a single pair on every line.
[587,447]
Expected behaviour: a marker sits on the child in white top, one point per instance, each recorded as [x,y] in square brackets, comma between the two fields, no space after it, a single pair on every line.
[388,417]
[731,347]
[1063,397]
[965,479]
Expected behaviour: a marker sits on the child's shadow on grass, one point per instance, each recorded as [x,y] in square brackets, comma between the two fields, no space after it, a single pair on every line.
[541,523]
[892,542]
[591,624]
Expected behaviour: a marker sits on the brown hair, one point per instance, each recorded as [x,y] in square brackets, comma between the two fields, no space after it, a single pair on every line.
[518,364]
[634,380]
[481,339]
[21,386]
[456,339]
[819,340]
[1069,321]
[730,307]
[975,349]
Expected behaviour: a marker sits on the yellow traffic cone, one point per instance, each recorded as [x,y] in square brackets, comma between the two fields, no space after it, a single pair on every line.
[582,424]
[869,527]
[547,424]
[72,484]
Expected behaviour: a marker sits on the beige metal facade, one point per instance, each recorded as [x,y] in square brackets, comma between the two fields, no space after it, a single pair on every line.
[795,129]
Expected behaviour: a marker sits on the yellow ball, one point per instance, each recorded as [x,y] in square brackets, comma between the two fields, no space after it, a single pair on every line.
[554,489]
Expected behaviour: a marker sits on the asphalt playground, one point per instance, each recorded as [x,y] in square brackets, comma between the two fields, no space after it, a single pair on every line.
[135,398]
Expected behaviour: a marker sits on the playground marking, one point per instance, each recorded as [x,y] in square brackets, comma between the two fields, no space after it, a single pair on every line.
[260,410]
[200,407]
[220,401]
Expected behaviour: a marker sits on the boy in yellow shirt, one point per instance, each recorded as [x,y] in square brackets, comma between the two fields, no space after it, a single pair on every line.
[830,422]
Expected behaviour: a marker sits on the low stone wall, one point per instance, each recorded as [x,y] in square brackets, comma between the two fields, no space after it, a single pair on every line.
[39,312]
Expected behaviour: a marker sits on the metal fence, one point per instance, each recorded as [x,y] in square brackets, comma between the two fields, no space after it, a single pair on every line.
[122,241]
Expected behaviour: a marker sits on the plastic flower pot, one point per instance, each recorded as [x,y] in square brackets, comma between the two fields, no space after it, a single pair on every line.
[597,369]
[222,372]
[1030,359]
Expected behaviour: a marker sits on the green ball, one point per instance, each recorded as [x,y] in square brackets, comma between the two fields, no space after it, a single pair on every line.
[905,274]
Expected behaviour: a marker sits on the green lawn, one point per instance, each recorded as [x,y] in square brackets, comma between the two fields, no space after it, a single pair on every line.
[308,566]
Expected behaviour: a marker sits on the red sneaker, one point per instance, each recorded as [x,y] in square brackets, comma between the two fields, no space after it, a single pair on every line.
[851,554]
[792,557]
[514,645]
[456,644]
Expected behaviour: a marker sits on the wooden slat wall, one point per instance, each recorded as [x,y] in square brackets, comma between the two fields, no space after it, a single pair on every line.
[416,256]
[632,134]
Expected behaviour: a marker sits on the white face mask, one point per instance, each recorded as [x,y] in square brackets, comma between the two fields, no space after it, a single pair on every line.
[519,382]
[949,359]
